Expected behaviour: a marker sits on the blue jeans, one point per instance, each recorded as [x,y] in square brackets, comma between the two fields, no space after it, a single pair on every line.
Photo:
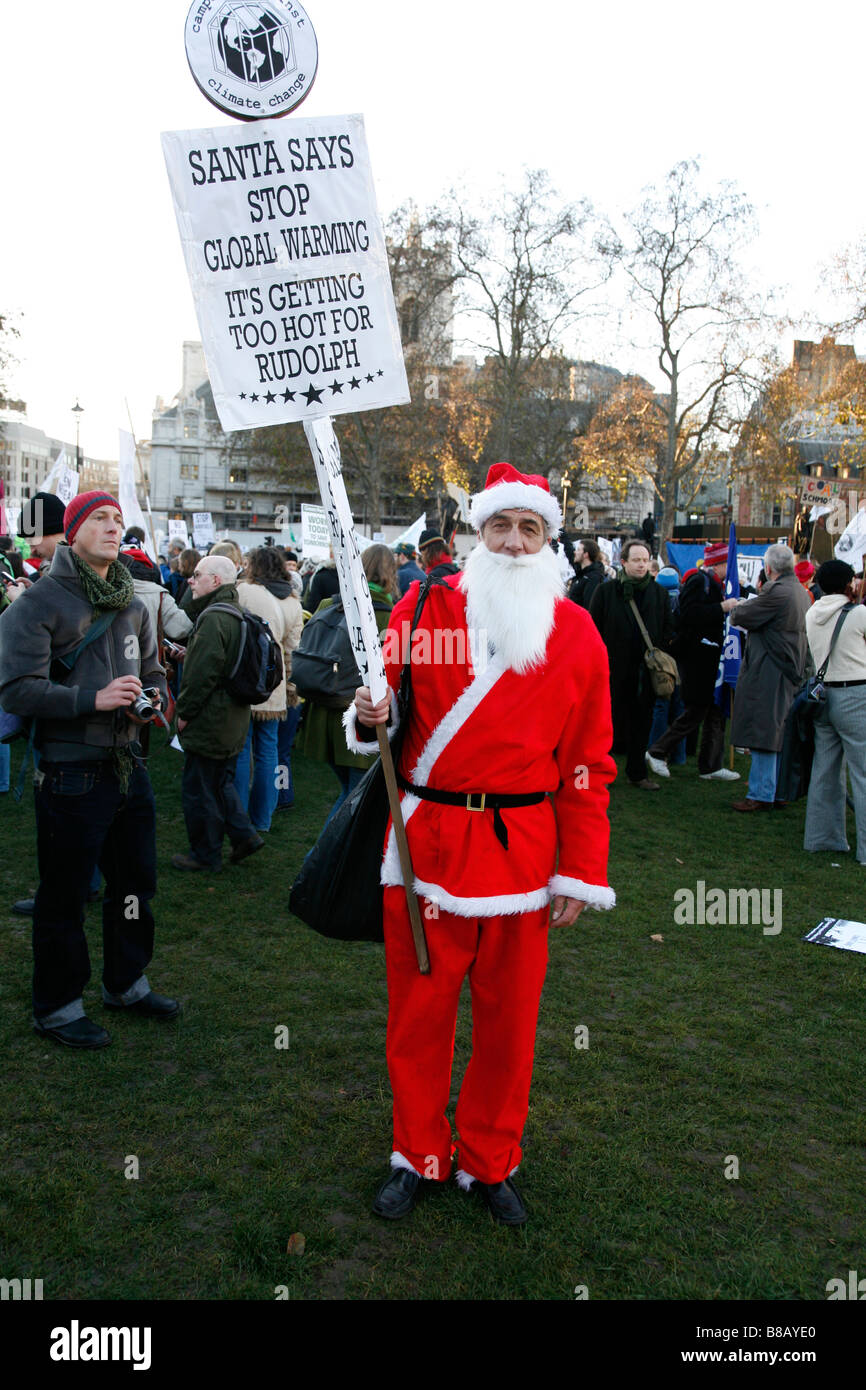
[5,759]
[763,774]
[286,731]
[348,778]
[260,799]
[84,820]
[664,714]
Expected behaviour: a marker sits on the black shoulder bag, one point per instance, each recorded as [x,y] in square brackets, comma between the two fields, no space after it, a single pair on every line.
[338,890]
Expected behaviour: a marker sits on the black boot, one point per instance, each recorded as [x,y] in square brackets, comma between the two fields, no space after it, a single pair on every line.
[398,1195]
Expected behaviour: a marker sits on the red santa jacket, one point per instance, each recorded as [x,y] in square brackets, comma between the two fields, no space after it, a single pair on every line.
[492,730]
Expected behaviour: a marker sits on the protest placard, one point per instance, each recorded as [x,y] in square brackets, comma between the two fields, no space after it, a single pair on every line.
[354,589]
[315,536]
[288,267]
[203,533]
[177,531]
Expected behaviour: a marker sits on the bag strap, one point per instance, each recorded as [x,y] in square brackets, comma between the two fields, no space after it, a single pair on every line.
[405,688]
[650,645]
[96,629]
[837,629]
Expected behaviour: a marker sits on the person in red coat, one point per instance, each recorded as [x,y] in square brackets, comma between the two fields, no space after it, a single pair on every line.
[510,698]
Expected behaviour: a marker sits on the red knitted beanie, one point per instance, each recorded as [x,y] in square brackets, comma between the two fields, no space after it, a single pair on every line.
[80,507]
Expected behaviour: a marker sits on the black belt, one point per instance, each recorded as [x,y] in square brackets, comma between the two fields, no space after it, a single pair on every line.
[841,685]
[476,801]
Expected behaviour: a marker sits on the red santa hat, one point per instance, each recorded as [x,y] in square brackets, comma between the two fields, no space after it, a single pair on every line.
[506,489]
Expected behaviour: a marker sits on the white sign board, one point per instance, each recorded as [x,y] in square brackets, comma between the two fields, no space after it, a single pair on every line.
[66,485]
[203,533]
[177,532]
[840,932]
[748,568]
[354,589]
[606,548]
[286,258]
[851,545]
[315,536]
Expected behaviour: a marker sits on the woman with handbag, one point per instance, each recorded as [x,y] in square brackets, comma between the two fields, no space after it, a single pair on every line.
[632,691]
[840,719]
[322,736]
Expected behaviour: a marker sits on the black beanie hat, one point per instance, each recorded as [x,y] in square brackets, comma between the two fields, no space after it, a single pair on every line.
[834,576]
[42,515]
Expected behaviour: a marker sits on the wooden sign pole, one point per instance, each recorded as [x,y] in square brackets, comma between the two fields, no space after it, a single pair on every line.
[403,851]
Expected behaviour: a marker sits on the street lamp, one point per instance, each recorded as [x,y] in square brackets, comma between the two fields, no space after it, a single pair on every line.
[77,411]
[566,484]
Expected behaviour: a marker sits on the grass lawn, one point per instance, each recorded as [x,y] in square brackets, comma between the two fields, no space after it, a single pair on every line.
[713,1044]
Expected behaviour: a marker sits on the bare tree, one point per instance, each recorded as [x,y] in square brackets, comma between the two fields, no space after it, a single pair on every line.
[527,273]
[678,251]
[846,279]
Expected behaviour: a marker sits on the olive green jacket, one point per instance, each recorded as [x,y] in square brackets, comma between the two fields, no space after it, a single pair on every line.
[217,724]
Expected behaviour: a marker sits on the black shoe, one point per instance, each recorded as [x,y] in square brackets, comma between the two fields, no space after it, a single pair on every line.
[193,865]
[151,1006]
[81,1033]
[25,907]
[504,1202]
[245,849]
[397,1196]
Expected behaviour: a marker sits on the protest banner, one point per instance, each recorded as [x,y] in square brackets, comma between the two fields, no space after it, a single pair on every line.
[315,537]
[354,589]
[851,545]
[203,533]
[822,489]
[461,497]
[364,636]
[840,932]
[749,567]
[412,534]
[127,494]
[67,484]
[606,548]
[288,267]
[177,531]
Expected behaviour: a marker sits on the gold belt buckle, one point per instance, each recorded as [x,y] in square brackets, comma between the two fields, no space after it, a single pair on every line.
[470,807]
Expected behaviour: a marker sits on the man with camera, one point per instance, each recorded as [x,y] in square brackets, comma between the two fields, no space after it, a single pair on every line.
[78,658]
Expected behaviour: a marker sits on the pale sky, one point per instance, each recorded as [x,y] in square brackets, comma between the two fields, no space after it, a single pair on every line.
[606,97]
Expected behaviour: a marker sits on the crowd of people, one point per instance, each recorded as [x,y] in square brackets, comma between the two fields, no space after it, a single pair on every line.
[98,642]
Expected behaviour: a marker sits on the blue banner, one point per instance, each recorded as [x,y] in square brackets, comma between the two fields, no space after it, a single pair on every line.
[732,652]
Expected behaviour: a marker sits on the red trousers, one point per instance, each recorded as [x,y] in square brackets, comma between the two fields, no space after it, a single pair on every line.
[505,959]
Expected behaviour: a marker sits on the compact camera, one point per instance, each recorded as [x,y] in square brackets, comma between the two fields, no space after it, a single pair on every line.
[146,705]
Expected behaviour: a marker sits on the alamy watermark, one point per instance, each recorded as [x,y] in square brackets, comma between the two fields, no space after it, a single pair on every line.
[715,907]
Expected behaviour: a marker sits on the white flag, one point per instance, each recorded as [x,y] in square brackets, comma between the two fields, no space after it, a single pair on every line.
[126,493]
[412,534]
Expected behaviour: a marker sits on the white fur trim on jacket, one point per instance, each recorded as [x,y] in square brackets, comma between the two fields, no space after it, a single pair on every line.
[503,905]
[357,745]
[398,1161]
[465,1180]
[522,496]
[593,894]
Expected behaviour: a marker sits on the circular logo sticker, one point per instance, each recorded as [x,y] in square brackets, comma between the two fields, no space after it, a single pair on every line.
[253,61]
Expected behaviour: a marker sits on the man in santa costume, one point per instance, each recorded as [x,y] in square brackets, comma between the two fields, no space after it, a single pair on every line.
[505,769]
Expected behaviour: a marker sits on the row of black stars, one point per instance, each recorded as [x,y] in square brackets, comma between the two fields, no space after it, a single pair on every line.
[312,393]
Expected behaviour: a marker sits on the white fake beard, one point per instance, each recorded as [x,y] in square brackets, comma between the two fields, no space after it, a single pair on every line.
[510,603]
